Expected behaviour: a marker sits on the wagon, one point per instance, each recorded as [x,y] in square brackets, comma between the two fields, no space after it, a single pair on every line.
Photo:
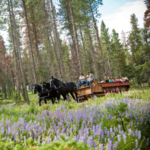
[98,89]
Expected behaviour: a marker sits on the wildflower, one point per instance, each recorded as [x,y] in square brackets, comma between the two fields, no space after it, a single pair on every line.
[124,138]
[108,133]
[102,147]
[102,134]
[115,145]
[90,141]
[119,137]
[136,143]
[111,130]
[95,144]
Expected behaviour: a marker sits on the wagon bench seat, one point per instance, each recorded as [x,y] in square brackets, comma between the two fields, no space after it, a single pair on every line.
[115,84]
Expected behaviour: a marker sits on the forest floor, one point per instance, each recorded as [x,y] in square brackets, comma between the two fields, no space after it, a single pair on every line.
[115,121]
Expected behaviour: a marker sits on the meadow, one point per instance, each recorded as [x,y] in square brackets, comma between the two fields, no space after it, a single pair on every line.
[114,122]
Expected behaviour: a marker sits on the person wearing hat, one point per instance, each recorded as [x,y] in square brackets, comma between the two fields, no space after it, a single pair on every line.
[91,76]
[81,80]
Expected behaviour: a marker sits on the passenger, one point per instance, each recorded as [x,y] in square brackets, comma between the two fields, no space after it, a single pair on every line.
[112,79]
[118,80]
[106,80]
[126,79]
[88,78]
[81,80]
[91,76]
[109,79]
[123,79]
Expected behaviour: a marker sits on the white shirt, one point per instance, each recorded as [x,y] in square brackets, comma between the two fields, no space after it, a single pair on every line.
[81,78]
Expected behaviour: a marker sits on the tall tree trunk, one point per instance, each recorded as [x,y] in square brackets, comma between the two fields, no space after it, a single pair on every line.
[4,88]
[92,52]
[109,66]
[75,37]
[98,40]
[85,52]
[36,45]
[17,69]
[58,43]
[53,73]
[19,54]
[36,38]
[31,50]
[72,63]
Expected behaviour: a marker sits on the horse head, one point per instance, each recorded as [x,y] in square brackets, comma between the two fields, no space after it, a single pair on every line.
[35,88]
[54,83]
[46,86]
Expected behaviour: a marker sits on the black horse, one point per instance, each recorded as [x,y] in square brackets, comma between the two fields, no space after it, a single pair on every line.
[42,94]
[64,88]
[52,92]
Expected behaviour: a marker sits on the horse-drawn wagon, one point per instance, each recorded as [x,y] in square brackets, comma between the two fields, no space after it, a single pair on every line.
[99,89]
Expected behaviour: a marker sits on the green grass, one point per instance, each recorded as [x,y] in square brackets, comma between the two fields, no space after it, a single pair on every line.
[14,112]
[18,111]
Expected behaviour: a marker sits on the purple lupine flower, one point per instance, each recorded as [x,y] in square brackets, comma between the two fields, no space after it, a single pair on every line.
[115,145]
[102,147]
[57,133]
[130,131]
[142,119]
[74,137]
[55,138]
[109,145]
[84,138]
[64,130]
[2,130]
[124,138]
[111,130]
[95,144]
[136,143]
[119,137]
[147,141]
[77,137]
[102,134]
[108,133]
[90,141]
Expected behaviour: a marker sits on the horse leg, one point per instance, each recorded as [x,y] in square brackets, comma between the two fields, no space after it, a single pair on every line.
[45,101]
[39,101]
[64,96]
[52,100]
[76,96]
[58,98]
[72,95]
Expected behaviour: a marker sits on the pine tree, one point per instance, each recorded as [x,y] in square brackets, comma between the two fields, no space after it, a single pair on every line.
[134,42]
[116,55]
[105,40]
